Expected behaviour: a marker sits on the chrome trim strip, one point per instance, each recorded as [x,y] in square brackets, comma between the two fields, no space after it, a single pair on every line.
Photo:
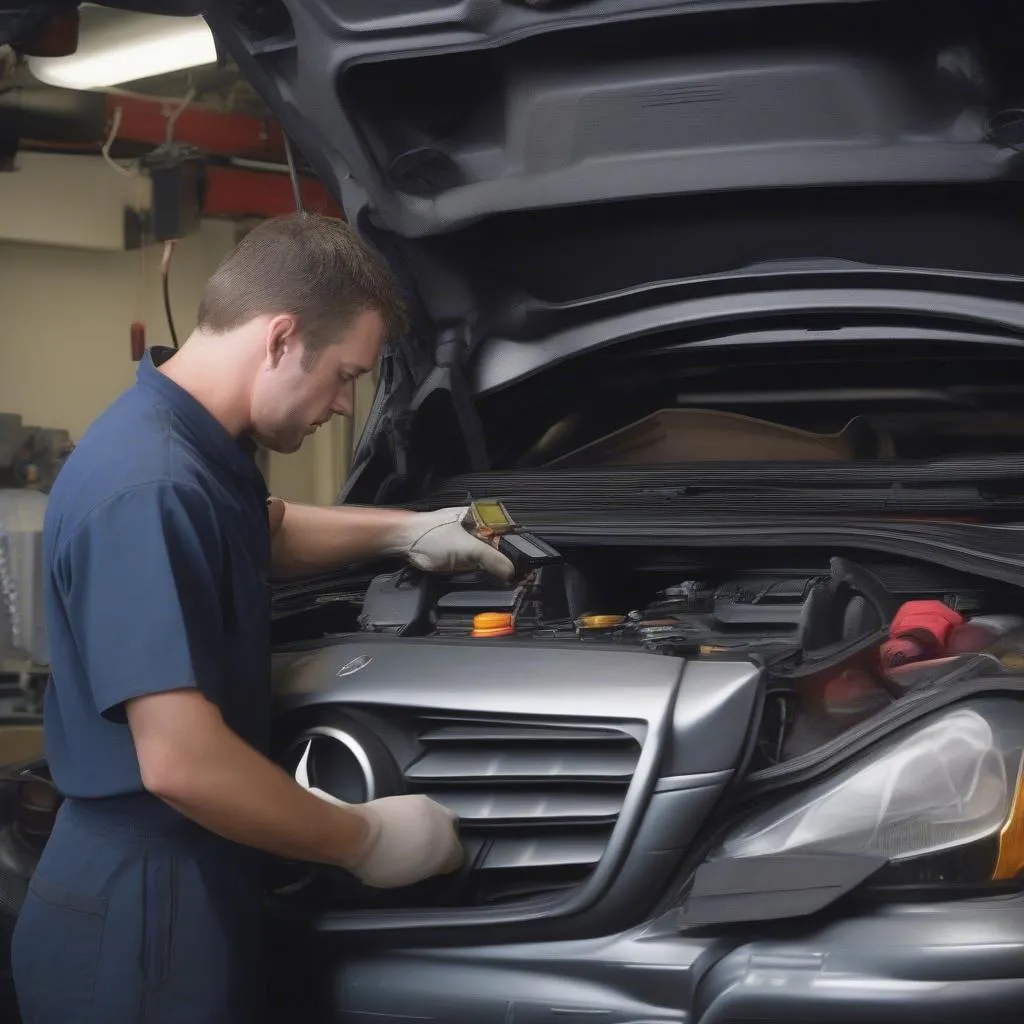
[675,783]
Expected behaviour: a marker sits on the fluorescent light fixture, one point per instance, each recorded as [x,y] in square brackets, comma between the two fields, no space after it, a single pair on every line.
[128,48]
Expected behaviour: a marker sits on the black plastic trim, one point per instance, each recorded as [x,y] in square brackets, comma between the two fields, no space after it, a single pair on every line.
[500,362]
[770,888]
[922,540]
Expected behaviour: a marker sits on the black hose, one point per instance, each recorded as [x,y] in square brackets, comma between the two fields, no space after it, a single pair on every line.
[165,270]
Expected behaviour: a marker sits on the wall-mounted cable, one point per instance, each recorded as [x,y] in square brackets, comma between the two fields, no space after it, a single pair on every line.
[165,271]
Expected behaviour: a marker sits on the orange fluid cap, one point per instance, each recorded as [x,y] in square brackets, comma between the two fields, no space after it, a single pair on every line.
[493,624]
[601,621]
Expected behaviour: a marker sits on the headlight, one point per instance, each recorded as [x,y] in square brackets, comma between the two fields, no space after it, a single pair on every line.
[941,787]
[940,805]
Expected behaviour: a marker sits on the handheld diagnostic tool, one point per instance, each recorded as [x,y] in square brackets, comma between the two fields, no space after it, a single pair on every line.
[489,520]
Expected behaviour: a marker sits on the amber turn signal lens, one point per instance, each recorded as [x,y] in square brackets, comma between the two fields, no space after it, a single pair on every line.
[1010,862]
[493,624]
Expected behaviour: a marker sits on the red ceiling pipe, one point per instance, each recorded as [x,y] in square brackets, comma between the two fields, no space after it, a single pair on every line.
[222,134]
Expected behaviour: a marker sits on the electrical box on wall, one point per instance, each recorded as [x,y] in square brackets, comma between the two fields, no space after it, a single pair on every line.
[178,185]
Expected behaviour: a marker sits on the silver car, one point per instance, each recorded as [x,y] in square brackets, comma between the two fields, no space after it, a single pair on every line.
[724,303]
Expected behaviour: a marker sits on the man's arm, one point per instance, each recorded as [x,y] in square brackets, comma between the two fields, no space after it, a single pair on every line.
[190,759]
[149,559]
[306,540]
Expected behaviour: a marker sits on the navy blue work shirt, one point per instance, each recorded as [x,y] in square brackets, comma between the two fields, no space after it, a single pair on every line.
[157,554]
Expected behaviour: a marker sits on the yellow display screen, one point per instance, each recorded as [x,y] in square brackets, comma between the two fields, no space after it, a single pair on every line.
[491,515]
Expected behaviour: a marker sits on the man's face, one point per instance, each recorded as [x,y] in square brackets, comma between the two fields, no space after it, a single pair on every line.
[291,401]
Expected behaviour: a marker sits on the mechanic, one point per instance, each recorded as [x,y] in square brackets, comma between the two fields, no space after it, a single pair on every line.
[159,542]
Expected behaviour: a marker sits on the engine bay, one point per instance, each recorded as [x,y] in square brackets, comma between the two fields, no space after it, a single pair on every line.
[519,706]
[840,637]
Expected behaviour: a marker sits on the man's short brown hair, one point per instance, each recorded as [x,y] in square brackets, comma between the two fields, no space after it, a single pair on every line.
[318,269]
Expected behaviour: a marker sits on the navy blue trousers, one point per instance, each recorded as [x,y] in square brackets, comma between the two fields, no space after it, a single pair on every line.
[137,916]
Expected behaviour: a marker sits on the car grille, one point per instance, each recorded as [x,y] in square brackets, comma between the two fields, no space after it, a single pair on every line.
[536,802]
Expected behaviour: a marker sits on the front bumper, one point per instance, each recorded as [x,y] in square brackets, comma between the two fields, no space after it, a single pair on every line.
[959,961]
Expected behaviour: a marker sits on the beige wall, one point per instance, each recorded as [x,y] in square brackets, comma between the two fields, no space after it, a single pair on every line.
[66,309]
[64,333]
[76,201]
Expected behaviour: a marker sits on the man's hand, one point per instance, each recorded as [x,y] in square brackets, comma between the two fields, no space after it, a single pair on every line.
[411,838]
[438,542]
[307,540]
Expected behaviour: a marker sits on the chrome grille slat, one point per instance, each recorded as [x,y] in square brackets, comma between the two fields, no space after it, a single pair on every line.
[532,808]
[543,796]
[447,733]
[523,765]
[536,854]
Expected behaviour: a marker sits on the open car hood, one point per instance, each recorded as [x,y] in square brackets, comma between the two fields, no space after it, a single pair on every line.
[432,114]
[548,178]
[506,151]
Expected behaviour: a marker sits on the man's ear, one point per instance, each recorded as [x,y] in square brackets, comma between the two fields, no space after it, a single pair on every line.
[282,334]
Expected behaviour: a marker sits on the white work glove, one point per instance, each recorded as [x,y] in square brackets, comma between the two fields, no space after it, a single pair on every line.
[438,542]
[411,838]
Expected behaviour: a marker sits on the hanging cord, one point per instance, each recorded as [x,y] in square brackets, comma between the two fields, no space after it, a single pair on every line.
[172,120]
[115,126]
[165,271]
[294,175]
[168,254]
